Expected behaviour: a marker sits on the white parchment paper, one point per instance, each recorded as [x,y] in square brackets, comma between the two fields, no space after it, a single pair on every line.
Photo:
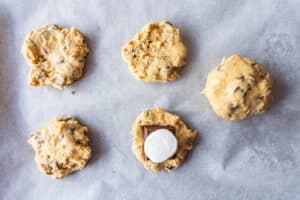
[258,158]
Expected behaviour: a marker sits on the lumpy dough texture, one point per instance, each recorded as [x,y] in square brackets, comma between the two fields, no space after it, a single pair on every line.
[61,147]
[238,87]
[56,55]
[156,53]
[158,117]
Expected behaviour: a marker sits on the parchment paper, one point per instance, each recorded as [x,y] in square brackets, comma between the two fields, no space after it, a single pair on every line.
[258,158]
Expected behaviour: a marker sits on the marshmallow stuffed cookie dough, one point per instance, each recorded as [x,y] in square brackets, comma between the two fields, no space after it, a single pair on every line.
[156,53]
[238,88]
[161,140]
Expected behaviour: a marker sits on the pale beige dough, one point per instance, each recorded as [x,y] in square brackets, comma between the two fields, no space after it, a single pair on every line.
[238,88]
[159,117]
[61,147]
[56,56]
[156,53]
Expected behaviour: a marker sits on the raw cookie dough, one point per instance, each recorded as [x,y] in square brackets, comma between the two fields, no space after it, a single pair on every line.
[238,88]
[156,53]
[152,120]
[56,55]
[61,147]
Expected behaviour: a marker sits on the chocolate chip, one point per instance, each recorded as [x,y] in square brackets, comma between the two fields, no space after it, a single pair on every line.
[67,118]
[61,61]
[76,72]
[147,113]
[233,107]
[74,165]
[263,75]
[242,91]
[31,41]
[57,165]
[248,88]
[71,129]
[167,22]
[241,77]
[163,57]
[259,98]
[42,58]
[254,64]
[189,140]
[45,51]
[62,136]
[45,33]
[37,138]
[78,142]
[236,89]
[169,168]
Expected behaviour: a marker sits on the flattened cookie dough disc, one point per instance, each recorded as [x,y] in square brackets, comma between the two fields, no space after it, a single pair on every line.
[156,53]
[61,147]
[157,119]
[238,88]
[56,55]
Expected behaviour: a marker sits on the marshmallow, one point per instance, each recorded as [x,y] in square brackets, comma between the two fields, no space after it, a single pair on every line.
[160,145]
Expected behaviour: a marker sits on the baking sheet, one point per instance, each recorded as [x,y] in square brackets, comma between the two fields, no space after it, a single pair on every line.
[258,158]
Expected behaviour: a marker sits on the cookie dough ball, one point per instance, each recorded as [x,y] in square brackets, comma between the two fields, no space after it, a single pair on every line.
[156,53]
[61,147]
[161,140]
[238,88]
[56,56]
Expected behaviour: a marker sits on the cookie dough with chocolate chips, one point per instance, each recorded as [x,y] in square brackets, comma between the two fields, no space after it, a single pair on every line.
[169,144]
[61,147]
[56,56]
[238,88]
[156,53]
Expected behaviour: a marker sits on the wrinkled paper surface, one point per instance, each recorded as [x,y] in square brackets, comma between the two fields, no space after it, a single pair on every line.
[258,158]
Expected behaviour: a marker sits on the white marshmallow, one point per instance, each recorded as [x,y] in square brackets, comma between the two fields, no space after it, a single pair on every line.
[160,145]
